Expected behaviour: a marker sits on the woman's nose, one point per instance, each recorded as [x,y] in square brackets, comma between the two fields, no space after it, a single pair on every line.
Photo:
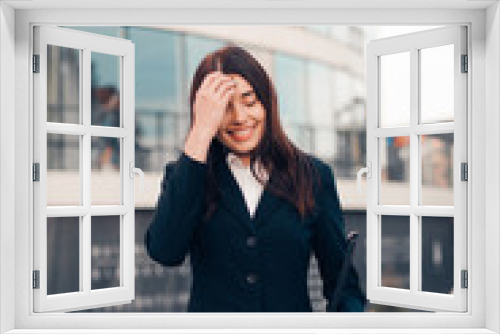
[239,113]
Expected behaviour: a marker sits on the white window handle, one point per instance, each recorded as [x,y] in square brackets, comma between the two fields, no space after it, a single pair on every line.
[136,170]
[368,171]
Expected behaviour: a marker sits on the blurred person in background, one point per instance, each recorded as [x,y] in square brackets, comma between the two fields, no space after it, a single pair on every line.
[108,99]
[247,205]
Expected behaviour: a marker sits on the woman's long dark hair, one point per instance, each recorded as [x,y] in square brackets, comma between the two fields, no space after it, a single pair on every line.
[293,169]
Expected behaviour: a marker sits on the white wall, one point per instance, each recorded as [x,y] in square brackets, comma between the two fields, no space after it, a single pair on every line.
[492,162]
[7,124]
[369,323]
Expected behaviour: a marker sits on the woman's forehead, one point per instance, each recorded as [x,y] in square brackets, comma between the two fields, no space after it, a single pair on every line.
[243,88]
[242,82]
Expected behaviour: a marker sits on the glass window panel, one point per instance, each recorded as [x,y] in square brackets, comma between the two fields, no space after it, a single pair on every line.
[175,127]
[359,93]
[395,170]
[350,153]
[101,30]
[153,138]
[340,33]
[263,56]
[157,68]
[395,252]
[395,90]
[290,79]
[105,234]
[343,90]
[63,169]
[437,84]
[324,142]
[321,108]
[106,185]
[105,72]
[396,30]
[323,30]
[63,85]
[197,48]
[356,37]
[437,169]
[437,254]
[349,123]
[63,255]
[301,135]
[320,88]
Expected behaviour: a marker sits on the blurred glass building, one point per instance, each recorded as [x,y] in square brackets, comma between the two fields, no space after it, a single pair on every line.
[319,73]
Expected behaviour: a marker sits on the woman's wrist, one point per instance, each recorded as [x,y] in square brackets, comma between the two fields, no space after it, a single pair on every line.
[198,143]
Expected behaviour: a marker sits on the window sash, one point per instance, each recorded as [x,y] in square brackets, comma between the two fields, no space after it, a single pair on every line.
[85,297]
[414,297]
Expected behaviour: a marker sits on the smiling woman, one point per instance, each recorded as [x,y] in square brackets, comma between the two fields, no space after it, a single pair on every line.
[243,262]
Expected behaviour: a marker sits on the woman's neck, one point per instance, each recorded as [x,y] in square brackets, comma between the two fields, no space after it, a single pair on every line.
[245,159]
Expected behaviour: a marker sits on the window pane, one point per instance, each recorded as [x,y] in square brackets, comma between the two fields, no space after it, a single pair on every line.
[157,68]
[322,30]
[101,30]
[395,252]
[63,169]
[290,79]
[106,185]
[437,254]
[395,170]
[321,108]
[324,142]
[175,127]
[105,89]
[63,85]
[437,169]
[105,251]
[63,255]
[290,82]
[395,90]
[340,33]
[343,90]
[196,49]
[349,123]
[437,84]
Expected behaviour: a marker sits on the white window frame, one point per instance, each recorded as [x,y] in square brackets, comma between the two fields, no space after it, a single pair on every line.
[413,44]
[483,212]
[124,51]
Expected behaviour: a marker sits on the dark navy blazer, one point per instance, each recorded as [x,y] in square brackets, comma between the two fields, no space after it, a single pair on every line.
[250,264]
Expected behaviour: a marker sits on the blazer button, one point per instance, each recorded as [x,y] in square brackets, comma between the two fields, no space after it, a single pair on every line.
[251,241]
[251,278]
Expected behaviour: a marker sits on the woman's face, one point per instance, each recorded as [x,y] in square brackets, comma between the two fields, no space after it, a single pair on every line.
[243,123]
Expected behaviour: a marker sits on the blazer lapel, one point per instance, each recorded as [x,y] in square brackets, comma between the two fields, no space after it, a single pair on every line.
[233,200]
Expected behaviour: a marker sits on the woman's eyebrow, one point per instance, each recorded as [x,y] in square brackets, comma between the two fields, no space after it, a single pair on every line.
[247,93]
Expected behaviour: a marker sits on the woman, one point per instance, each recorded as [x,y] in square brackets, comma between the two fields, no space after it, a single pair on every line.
[245,203]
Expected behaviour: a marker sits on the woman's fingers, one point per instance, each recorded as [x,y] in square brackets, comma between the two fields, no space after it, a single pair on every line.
[219,83]
[208,80]
[223,88]
[209,105]
[227,94]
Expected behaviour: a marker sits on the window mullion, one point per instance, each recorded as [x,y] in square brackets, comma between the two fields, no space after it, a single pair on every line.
[85,241]
[415,244]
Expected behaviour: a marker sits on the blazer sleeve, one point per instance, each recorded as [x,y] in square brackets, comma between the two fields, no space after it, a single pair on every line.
[179,209]
[330,246]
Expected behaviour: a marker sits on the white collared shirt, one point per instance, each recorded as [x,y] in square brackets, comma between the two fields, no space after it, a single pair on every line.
[250,186]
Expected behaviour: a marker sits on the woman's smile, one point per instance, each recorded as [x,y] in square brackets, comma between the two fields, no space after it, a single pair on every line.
[242,134]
